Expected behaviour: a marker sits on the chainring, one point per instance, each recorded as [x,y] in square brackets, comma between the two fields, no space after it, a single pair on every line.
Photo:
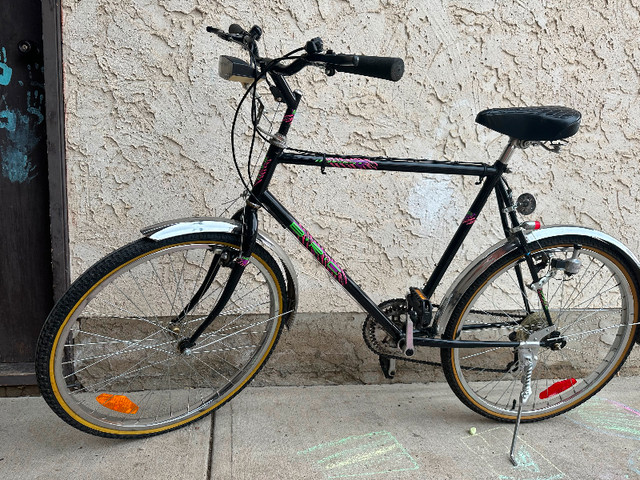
[376,338]
[379,341]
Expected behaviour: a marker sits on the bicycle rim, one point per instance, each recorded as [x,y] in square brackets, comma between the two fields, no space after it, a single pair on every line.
[114,365]
[594,311]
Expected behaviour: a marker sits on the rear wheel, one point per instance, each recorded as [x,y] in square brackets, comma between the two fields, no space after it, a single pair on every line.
[595,311]
[108,360]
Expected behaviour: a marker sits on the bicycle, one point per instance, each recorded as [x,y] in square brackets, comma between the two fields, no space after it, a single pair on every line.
[170,327]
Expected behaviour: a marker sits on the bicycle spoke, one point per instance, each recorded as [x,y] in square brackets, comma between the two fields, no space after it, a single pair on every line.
[593,324]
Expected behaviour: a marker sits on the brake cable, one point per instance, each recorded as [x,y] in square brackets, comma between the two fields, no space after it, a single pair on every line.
[252,89]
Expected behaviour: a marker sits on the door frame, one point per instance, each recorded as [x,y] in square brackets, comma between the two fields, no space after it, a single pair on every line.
[54,87]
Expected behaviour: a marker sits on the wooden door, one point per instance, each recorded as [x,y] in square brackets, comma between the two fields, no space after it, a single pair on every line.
[26,281]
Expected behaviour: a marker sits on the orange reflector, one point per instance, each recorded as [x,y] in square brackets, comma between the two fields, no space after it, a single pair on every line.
[557,388]
[117,403]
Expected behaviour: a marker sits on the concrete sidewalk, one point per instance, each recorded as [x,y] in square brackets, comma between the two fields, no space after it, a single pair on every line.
[416,431]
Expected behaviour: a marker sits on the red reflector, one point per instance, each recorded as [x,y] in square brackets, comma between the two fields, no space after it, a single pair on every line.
[537,225]
[557,388]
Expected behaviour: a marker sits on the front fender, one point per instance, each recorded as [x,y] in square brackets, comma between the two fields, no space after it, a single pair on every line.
[185,226]
[507,246]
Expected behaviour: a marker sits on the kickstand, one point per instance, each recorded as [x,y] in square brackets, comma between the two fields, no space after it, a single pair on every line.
[515,432]
[528,362]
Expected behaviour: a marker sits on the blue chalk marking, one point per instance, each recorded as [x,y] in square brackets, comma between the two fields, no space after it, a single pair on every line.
[634,465]
[607,417]
[527,465]
[532,465]
[526,462]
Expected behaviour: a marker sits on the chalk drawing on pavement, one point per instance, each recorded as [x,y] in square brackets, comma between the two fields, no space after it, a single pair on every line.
[634,462]
[492,449]
[361,455]
[608,417]
[611,418]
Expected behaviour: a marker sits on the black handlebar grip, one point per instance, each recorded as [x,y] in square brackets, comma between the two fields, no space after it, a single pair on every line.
[387,68]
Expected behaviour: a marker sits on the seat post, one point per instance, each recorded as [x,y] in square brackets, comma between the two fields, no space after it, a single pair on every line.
[508,151]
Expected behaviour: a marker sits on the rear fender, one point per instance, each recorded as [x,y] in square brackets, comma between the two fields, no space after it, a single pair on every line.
[509,245]
[185,226]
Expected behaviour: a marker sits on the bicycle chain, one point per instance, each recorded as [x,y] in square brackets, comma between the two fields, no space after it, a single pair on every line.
[375,336]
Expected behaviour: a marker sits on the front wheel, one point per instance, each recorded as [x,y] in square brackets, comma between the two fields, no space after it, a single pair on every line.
[595,311]
[108,360]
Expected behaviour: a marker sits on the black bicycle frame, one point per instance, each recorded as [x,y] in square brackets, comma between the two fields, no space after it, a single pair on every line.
[490,174]
[490,177]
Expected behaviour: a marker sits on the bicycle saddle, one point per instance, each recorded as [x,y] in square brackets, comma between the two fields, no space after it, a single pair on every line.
[532,123]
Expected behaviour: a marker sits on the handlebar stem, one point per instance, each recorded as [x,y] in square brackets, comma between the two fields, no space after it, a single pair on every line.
[292,99]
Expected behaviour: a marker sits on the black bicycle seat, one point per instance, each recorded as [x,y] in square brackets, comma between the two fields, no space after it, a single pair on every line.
[532,123]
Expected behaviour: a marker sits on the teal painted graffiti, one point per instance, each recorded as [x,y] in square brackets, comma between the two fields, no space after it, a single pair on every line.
[19,132]
[17,145]
[16,166]
[8,120]
[5,70]
[36,70]
[35,102]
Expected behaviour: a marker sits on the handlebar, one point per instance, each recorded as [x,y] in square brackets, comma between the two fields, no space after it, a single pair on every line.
[387,68]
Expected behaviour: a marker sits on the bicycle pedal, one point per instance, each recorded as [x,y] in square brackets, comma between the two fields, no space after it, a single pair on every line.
[420,309]
[388,366]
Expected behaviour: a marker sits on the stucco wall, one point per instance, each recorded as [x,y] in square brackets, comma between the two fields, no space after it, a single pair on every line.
[148,121]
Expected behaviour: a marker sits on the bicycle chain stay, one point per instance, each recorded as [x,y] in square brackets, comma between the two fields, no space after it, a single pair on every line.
[394,309]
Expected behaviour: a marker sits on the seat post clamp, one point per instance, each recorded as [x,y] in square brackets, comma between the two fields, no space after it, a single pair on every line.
[483,176]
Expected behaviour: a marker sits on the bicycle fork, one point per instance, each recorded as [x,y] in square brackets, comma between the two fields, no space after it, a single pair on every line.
[248,239]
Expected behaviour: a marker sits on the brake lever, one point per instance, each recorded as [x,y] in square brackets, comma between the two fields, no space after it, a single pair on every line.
[246,39]
[229,37]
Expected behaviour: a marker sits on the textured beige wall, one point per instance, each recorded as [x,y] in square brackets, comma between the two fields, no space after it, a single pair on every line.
[148,121]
